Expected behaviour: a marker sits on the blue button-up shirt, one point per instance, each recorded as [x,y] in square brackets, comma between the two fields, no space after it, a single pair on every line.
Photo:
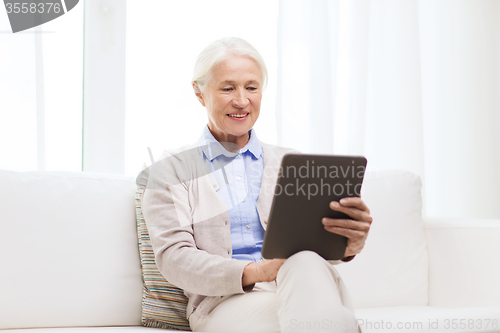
[239,176]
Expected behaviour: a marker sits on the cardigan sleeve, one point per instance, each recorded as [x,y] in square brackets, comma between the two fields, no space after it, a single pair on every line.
[168,215]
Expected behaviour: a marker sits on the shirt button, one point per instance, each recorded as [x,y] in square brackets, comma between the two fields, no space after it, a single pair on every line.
[227,252]
[243,200]
[239,178]
[247,226]
[225,222]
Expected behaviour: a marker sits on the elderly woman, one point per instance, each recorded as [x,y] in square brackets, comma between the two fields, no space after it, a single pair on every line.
[206,207]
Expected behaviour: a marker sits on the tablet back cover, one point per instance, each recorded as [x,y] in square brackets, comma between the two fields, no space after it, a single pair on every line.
[306,186]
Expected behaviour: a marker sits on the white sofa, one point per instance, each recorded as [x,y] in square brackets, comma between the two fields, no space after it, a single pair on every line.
[69,258]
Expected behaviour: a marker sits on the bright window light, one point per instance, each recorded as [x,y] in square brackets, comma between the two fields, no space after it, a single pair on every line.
[163,40]
[43,133]
[18,131]
[63,73]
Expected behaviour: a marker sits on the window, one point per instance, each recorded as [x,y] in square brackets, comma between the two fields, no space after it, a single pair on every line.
[41,94]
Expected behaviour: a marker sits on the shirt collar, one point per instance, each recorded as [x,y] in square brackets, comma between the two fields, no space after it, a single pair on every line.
[253,145]
[212,148]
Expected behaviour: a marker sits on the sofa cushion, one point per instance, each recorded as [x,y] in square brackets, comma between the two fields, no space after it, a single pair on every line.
[68,251]
[392,269]
[163,304]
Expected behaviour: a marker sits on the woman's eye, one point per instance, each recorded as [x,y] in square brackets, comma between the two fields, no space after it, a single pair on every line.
[252,88]
[227,89]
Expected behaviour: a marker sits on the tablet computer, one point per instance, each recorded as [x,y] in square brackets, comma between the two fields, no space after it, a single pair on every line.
[306,185]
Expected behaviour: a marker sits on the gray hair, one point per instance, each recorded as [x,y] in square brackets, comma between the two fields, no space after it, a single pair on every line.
[219,51]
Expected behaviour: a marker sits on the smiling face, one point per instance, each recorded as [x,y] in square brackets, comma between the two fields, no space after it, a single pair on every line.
[232,98]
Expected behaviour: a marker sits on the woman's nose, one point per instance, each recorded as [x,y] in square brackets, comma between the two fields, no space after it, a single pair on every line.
[240,100]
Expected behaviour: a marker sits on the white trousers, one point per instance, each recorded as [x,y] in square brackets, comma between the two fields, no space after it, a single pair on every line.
[308,296]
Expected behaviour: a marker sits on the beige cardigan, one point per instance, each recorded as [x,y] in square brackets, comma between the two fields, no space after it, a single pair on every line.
[189,226]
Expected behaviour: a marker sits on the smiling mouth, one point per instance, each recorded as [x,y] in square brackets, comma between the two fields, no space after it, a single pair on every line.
[239,115]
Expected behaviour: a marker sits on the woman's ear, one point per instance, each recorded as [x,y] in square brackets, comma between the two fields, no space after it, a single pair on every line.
[197,92]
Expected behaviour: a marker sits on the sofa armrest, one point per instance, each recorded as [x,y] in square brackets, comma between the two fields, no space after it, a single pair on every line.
[464,262]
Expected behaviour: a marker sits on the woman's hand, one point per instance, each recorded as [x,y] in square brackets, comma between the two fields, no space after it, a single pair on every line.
[356,230]
[264,271]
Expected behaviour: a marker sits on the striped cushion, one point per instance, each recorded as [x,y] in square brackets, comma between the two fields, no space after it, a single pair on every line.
[163,304]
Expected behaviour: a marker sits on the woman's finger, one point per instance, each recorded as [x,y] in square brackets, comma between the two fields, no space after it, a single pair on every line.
[346,223]
[354,202]
[354,213]
[349,233]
